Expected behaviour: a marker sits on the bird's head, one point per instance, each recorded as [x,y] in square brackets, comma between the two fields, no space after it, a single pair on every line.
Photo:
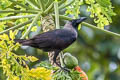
[76,22]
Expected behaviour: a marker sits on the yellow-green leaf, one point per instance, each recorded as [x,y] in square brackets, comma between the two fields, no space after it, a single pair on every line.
[12,36]
[32,58]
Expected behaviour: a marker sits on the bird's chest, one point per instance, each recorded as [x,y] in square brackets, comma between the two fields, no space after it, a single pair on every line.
[64,39]
[67,40]
[71,39]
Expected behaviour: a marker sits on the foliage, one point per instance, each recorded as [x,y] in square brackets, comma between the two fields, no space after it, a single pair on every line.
[17,15]
[101,11]
[74,9]
[60,74]
[14,66]
[40,73]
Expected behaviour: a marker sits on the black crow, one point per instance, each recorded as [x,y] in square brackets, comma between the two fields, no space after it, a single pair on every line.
[55,40]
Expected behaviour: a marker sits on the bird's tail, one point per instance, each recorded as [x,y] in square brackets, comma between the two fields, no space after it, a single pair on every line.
[23,41]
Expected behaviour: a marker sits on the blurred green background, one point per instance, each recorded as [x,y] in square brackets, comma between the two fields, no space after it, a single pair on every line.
[97,52]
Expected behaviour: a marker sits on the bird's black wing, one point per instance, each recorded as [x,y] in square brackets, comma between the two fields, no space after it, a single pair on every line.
[49,41]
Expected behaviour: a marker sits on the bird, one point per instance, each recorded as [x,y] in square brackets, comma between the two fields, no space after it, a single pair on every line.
[55,40]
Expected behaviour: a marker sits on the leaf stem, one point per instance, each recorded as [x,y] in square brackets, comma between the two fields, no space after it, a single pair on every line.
[16,17]
[31,25]
[48,3]
[61,2]
[56,14]
[17,26]
[48,9]
[41,5]
[24,6]
[33,4]
[105,31]
[62,7]
[19,11]
[92,26]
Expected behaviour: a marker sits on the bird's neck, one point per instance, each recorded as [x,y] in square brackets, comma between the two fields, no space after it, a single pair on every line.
[71,29]
[69,26]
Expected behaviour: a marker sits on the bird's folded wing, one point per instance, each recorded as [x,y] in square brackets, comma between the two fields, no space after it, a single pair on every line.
[54,39]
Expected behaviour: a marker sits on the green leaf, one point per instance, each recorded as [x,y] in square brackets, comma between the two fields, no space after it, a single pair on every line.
[32,58]
[34,28]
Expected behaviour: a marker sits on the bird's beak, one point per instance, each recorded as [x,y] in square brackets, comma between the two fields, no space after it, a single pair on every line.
[81,19]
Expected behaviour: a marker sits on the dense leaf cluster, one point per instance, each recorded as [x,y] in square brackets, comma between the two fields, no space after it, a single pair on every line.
[14,66]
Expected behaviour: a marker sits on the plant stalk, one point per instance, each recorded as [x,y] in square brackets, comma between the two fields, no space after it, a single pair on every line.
[92,26]
[48,3]
[41,5]
[48,9]
[16,17]
[17,26]
[19,11]
[31,25]
[62,7]
[56,14]
[61,2]
[24,6]
[103,30]
[33,4]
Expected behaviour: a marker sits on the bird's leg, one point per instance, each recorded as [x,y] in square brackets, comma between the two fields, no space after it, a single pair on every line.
[56,53]
[54,60]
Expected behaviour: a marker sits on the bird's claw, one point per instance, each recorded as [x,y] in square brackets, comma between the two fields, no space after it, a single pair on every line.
[62,69]
[65,69]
